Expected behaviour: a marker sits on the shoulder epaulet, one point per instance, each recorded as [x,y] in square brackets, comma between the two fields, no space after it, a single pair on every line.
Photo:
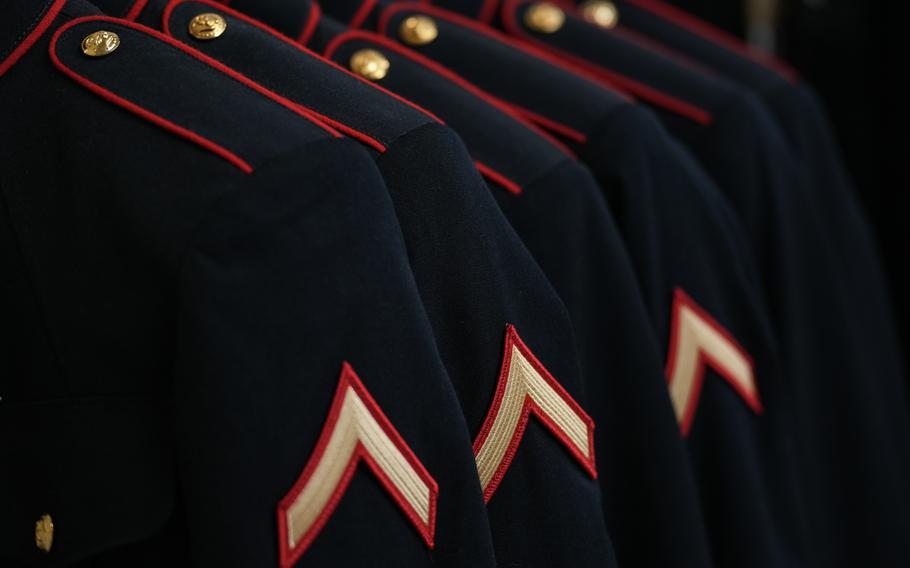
[507,150]
[182,90]
[567,41]
[356,107]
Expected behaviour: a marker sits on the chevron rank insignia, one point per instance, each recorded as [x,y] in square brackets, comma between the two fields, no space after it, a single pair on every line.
[525,387]
[697,341]
[356,430]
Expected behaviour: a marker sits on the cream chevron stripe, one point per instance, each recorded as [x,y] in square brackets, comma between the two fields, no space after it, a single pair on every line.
[697,340]
[525,387]
[356,429]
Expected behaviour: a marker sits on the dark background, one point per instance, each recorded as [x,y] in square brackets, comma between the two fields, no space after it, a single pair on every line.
[856,53]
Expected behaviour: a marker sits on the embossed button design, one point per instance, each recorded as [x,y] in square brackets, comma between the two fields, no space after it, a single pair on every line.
[600,13]
[369,63]
[207,26]
[544,17]
[44,533]
[418,30]
[100,43]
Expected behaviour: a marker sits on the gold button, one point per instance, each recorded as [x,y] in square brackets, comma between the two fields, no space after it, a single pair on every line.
[418,30]
[207,26]
[600,13]
[44,533]
[545,17]
[100,43]
[369,63]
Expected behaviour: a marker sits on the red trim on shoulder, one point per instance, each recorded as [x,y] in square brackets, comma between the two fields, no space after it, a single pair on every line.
[218,66]
[288,555]
[497,178]
[346,128]
[488,11]
[340,126]
[136,109]
[553,126]
[637,89]
[362,13]
[495,35]
[311,23]
[652,44]
[135,10]
[450,75]
[710,32]
[33,36]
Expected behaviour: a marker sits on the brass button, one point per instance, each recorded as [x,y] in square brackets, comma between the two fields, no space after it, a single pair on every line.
[418,30]
[600,13]
[369,63]
[100,43]
[544,17]
[207,26]
[44,533]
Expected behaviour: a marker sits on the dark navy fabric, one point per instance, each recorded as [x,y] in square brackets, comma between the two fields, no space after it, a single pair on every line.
[183,305]
[475,277]
[823,281]
[680,233]
[561,216]
[798,113]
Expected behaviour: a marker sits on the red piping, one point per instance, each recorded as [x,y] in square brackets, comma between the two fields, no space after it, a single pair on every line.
[640,90]
[32,36]
[362,13]
[707,31]
[454,78]
[488,11]
[310,26]
[524,47]
[136,109]
[651,44]
[350,131]
[553,125]
[497,178]
[363,137]
[135,10]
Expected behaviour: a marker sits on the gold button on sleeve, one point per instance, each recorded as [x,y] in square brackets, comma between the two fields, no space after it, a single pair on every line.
[369,63]
[544,17]
[207,26]
[100,43]
[44,533]
[600,13]
[418,30]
